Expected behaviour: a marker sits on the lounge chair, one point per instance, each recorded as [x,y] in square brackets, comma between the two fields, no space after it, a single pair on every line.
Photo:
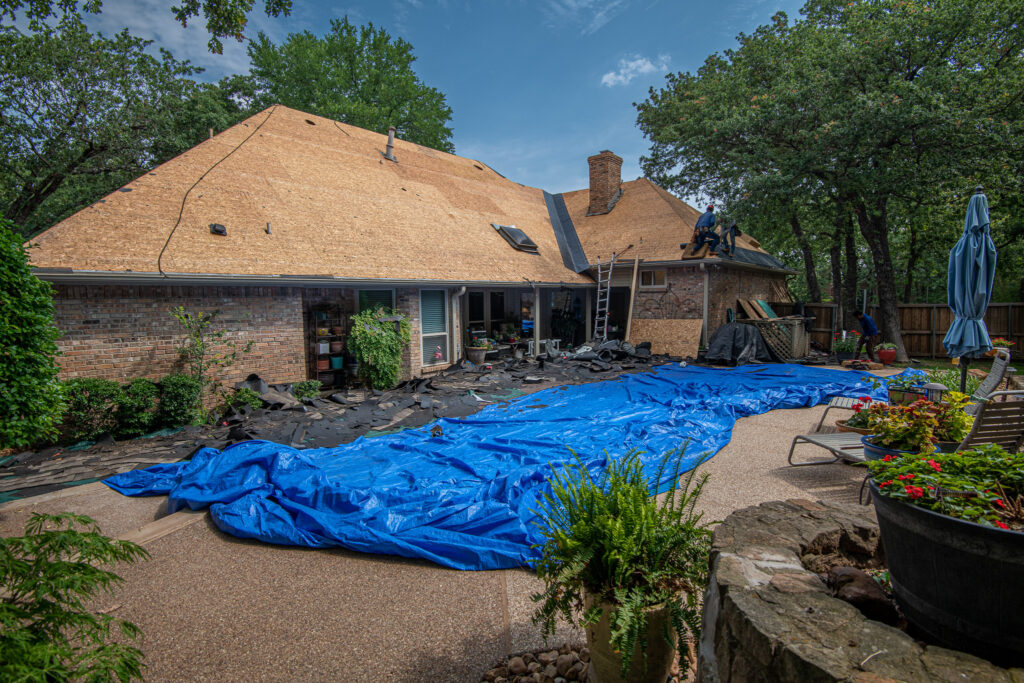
[996,376]
[842,403]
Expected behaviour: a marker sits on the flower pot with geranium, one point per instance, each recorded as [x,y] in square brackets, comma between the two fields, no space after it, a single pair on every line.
[845,346]
[952,525]
[886,352]
[859,422]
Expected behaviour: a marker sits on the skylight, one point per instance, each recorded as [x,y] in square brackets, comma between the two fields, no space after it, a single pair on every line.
[516,237]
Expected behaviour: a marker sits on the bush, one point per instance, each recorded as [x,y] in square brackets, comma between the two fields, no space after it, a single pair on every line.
[951,378]
[136,409]
[49,575]
[242,397]
[378,346]
[308,389]
[91,407]
[179,400]
[31,401]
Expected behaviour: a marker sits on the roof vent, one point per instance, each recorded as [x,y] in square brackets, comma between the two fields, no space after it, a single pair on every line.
[311,122]
[517,238]
[218,229]
[390,154]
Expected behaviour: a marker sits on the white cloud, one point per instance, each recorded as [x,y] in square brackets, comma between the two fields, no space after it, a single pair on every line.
[589,15]
[633,66]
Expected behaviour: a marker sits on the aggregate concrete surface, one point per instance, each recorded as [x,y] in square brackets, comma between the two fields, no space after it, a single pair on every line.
[214,607]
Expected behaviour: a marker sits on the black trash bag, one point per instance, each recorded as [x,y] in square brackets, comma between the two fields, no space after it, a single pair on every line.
[737,344]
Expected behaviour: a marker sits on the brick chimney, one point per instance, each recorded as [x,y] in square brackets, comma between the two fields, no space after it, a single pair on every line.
[605,178]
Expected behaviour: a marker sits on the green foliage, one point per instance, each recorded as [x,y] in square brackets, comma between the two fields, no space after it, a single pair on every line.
[848,345]
[903,427]
[224,18]
[136,408]
[307,389]
[243,397]
[180,400]
[30,395]
[49,576]
[953,423]
[206,349]
[606,537]
[985,485]
[950,377]
[378,346]
[81,116]
[359,75]
[92,405]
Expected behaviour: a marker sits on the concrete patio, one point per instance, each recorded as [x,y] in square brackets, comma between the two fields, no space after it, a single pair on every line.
[213,607]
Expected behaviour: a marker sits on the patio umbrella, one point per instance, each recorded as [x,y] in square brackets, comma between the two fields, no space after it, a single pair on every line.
[972,271]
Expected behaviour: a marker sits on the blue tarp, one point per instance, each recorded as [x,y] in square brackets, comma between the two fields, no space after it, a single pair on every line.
[464,499]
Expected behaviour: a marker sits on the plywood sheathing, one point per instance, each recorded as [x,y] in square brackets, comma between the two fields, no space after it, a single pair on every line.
[644,211]
[673,337]
[335,207]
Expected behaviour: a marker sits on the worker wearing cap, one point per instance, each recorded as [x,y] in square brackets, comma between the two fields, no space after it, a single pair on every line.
[729,232]
[704,231]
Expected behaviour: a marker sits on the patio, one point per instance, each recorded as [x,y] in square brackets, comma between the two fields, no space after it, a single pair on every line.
[215,607]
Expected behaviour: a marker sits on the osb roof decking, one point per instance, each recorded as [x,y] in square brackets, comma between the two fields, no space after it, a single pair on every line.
[644,211]
[335,208]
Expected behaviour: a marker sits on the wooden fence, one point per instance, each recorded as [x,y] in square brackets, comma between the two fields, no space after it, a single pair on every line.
[923,326]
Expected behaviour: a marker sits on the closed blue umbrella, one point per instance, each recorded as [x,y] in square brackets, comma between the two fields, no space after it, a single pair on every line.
[972,272]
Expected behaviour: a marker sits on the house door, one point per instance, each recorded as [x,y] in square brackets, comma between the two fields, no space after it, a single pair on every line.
[434,327]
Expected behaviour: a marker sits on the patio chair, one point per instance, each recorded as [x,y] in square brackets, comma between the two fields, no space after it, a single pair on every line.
[842,403]
[845,446]
[996,376]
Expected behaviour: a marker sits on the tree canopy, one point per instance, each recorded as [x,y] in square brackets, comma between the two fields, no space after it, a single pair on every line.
[885,113]
[224,18]
[359,75]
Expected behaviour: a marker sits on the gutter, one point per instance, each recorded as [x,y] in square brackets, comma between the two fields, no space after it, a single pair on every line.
[80,277]
[704,320]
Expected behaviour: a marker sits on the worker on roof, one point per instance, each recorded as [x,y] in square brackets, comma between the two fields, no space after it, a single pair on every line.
[729,232]
[869,337]
[704,231]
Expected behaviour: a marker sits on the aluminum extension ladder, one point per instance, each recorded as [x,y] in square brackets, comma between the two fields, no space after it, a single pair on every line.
[604,289]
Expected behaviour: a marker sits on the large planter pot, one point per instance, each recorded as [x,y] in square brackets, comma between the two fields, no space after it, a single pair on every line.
[904,397]
[606,666]
[841,426]
[887,356]
[873,451]
[958,581]
[844,355]
[476,354]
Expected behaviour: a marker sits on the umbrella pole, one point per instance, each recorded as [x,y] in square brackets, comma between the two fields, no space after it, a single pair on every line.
[964,361]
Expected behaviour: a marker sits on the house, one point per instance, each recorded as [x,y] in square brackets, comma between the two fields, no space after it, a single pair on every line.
[289,223]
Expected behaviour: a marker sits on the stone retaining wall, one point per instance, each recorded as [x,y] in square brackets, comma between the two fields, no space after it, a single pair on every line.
[767,618]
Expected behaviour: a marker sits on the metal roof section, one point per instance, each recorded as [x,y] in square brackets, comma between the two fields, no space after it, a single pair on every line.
[565,234]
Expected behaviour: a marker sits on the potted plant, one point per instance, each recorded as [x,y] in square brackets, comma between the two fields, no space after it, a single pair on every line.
[845,346]
[857,424]
[476,350]
[628,569]
[952,526]
[1000,343]
[899,430]
[905,389]
[954,424]
[886,352]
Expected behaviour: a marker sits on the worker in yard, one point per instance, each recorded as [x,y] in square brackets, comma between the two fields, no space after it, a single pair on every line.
[704,231]
[729,232]
[869,336]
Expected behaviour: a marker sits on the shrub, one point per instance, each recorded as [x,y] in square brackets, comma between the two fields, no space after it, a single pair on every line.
[180,396]
[197,350]
[243,397]
[91,407]
[951,379]
[31,401]
[49,575]
[308,389]
[136,408]
[377,345]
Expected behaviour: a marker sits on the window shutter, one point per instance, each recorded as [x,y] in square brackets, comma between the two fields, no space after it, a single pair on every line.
[432,312]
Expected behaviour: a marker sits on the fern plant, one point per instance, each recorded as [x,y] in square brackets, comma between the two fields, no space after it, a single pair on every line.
[606,537]
[49,576]
[377,339]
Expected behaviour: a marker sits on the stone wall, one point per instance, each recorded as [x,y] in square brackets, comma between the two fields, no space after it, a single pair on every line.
[120,333]
[768,619]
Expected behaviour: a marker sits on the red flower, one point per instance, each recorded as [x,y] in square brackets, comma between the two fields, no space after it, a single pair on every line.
[857,407]
[906,476]
[885,483]
[999,502]
[914,491]
[935,466]
[1001,525]
[888,458]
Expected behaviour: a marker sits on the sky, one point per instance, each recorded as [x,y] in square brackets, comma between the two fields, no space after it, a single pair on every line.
[535,86]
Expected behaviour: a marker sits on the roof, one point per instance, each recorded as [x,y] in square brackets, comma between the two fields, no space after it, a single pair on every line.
[655,222]
[305,196]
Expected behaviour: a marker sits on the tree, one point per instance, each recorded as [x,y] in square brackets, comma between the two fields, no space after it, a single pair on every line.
[224,18]
[357,75]
[82,115]
[873,106]
[30,395]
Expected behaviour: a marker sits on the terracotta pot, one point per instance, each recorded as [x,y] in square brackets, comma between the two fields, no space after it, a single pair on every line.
[337,347]
[606,666]
[336,331]
[887,356]
[841,426]
[323,364]
[476,354]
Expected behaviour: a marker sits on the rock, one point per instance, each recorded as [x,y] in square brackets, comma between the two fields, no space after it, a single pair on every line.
[559,679]
[563,664]
[864,593]
[546,658]
[517,666]
[550,671]
[496,673]
[534,667]
[577,672]
[528,657]
[584,654]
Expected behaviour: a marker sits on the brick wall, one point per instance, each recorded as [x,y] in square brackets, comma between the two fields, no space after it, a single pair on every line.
[730,284]
[682,297]
[121,333]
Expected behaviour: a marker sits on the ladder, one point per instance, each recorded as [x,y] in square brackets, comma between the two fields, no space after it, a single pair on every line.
[604,289]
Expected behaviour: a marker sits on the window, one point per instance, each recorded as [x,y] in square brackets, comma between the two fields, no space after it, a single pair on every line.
[516,237]
[370,299]
[497,307]
[434,326]
[475,301]
[652,278]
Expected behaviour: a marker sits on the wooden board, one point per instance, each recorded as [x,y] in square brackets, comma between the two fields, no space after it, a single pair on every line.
[675,337]
[752,311]
[870,365]
[763,305]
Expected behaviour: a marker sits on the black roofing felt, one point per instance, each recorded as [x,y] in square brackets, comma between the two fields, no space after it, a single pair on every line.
[565,232]
[757,258]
